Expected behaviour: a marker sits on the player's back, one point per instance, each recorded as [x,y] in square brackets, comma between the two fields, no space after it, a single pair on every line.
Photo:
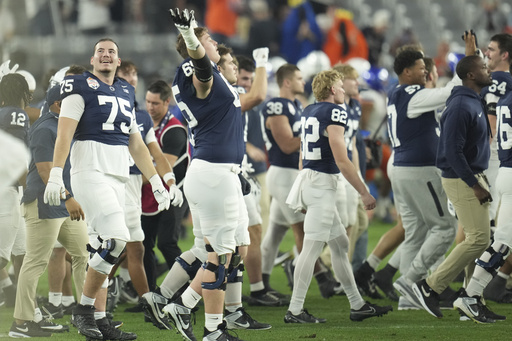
[316,150]
[215,123]
[15,121]
[414,140]
[292,110]
[504,131]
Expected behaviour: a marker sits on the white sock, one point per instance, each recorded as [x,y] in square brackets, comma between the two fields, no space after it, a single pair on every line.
[55,298]
[98,315]
[212,321]
[68,300]
[124,274]
[38,316]
[343,270]
[84,300]
[258,286]
[190,298]
[373,261]
[303,273]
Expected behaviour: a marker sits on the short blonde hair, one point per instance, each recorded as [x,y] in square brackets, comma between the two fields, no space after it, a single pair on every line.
[346,70]
[323,82]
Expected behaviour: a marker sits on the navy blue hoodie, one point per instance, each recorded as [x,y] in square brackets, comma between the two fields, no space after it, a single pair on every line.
[464,143]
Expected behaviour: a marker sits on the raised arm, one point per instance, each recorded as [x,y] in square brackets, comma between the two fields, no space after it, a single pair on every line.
[258,90]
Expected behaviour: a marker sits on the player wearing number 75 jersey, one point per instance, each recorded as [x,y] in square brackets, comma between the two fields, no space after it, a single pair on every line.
[324,155]
[97,111]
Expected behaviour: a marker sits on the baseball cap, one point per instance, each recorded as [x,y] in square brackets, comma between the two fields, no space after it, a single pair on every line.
[53,95]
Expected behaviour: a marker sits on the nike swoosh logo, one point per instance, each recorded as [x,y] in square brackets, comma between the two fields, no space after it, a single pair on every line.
[24,330]
[425,293]
[244,325]
[371,311]
[480,115]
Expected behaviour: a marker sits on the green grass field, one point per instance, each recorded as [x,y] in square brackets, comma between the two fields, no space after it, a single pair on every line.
[397,325]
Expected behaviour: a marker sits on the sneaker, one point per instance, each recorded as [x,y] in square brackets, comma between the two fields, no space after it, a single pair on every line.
[49,326]
[281,257]
[220,334]
[384,282]
[181,317]
[50,311]
[326,284]
[283,297]
[405,289]
[264,299]
[428,298]
[83,320]
[115,286]
[111,333]
[369,310]
[27,329]
[153,304]
[68,309]
[363,277]
[139,308]
[404,304]
[472,307]
[492,315]
[129,294]
[240,319]
[289,268]
[303,317]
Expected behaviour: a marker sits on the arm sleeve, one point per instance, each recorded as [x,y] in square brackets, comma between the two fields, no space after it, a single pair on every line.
[426,100]
[150,137]
[173,141]
[73,107]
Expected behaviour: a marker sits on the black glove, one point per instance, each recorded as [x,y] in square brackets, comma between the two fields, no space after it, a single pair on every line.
[181,19]
[246,186]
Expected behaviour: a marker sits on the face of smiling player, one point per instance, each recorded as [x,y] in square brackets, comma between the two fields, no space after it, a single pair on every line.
[105,59]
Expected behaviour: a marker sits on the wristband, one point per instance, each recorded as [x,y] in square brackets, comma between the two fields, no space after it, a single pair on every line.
[155,180]
[169,176]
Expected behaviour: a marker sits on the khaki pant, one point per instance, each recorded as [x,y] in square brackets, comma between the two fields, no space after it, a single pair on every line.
[41,237]
[474,219]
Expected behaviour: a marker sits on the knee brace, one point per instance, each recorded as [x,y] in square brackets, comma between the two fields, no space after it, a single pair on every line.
[191,269]
[220,274]
[493,259]
[235,268]
[107,255]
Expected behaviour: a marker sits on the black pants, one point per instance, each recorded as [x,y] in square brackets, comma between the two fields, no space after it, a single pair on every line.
[162,229]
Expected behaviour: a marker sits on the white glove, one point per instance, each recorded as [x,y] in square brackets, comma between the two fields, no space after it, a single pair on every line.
[160,193]
[4,68]
[175,195]
[55,189]
[185,23]
[260,56]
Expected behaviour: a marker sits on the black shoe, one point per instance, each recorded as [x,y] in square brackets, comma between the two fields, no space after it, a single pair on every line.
[111,333]
[129,294]
[240,319]
[384,281]
[27,329]
[369,310]
[363,277]
[139,308]
[220,334]
[492,315]
[326,284]
[115,287]
[68,310]
[289,268]
[181,317]
[50,311]
[83,320]
[496,291]
[49,326]
[264,299]
[473,308]
[153,304]
[303,317]
[428,298]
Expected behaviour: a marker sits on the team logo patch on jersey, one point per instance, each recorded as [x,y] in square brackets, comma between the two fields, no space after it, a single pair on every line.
[93,83]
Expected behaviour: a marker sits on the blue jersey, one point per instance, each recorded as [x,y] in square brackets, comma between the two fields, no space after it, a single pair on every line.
[353,118]
[291,110]
[145,123]
[15,121]
[215,123]
[501,85]
[504,130]
[414,140]
[315,147]
[108,112]
[43,134]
